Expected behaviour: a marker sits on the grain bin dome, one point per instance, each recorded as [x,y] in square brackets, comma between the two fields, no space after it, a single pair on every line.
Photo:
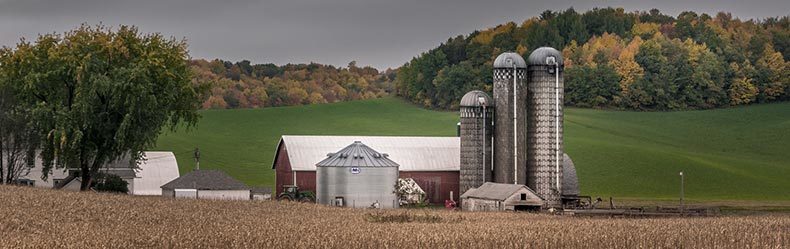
[472,99]
[357,154]
[538,57]
[507,59]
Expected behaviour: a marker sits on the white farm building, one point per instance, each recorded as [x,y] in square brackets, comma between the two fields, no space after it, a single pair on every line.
[206,184]
[158,168]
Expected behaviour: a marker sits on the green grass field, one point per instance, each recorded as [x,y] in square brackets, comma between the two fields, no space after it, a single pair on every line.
[726,154]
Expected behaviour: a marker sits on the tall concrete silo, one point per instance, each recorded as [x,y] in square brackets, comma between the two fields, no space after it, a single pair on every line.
[510,94]
[544,132]
[357,176]
[476,133]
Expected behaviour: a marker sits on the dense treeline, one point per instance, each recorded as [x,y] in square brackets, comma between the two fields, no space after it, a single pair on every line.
[244,85]
[614,59]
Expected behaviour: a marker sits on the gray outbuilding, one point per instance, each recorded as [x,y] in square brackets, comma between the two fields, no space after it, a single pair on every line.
[499,197]
[357,176]
[206,184]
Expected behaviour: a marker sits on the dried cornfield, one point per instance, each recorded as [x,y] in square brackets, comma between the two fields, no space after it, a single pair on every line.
[46,218]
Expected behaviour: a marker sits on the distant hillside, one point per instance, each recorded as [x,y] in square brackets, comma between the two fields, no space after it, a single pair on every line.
[734,153]
[614,59]
[246,85]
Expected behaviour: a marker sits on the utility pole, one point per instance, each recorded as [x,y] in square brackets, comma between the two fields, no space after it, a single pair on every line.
[197,158]
[682,206]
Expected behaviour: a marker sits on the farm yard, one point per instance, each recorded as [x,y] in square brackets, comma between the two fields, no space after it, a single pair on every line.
[728,154]
[32,217]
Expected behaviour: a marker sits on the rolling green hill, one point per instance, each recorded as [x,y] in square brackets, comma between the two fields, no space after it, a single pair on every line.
[738,153]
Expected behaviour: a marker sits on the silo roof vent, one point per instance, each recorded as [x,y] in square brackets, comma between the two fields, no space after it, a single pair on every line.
[541,57]
[476,98]
[508,59]
[361,156]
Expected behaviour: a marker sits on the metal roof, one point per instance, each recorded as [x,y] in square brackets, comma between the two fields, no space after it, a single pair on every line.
[570,184]
[538,57]
[472,99]
[496,191]
[357,155]
[411,153]
[206,180]
[507,59]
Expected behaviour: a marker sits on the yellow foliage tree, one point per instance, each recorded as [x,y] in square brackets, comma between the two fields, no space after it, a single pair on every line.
[742,91]
[645,29]
[486,36]
[626,66]
[777,76]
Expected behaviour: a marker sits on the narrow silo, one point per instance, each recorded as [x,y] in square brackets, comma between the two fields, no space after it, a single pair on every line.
[544,132]
[476,139]
[510,93]
[357,176]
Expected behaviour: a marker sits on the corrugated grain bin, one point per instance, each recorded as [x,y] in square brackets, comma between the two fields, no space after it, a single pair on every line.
[357,176]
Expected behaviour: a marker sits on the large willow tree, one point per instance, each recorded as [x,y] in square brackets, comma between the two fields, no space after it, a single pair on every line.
[95,94]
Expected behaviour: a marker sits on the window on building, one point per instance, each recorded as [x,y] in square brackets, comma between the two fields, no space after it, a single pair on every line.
[523,197]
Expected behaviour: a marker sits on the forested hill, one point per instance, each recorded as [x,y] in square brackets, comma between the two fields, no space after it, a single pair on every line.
[615,59]
[246,85]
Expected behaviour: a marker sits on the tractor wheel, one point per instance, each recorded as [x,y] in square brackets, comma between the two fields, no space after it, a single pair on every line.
[285,198]
[306,199]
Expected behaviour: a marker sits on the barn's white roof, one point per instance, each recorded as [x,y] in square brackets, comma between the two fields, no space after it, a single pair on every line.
[412,153]
[160,167]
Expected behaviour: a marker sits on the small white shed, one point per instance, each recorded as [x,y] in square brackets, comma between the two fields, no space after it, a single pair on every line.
[206,184]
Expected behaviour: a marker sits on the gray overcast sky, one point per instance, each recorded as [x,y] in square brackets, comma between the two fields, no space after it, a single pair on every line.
[372,32]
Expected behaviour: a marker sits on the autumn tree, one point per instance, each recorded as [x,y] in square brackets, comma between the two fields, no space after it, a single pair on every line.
[96,94]
[772,73]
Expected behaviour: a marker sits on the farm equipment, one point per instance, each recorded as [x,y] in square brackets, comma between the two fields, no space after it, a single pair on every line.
[292,193]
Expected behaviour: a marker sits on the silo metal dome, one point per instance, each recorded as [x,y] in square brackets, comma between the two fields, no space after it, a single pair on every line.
[471,99]
[538,57]
[507,59]
[570,183]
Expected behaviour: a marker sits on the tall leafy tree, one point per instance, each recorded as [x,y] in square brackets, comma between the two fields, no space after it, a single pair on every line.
[17,142]
[98,94]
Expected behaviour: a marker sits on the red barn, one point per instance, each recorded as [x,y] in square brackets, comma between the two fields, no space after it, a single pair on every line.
[433,162]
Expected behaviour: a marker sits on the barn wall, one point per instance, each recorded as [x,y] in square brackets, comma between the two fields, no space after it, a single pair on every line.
[168,193]
[515,199]
[436,184]
[224,194]
[475,204]
[282,170]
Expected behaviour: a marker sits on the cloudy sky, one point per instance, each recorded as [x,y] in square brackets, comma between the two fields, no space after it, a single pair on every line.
[372,32]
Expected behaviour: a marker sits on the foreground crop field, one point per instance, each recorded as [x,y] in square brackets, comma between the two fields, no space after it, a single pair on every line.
[46,218]
[727,154]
